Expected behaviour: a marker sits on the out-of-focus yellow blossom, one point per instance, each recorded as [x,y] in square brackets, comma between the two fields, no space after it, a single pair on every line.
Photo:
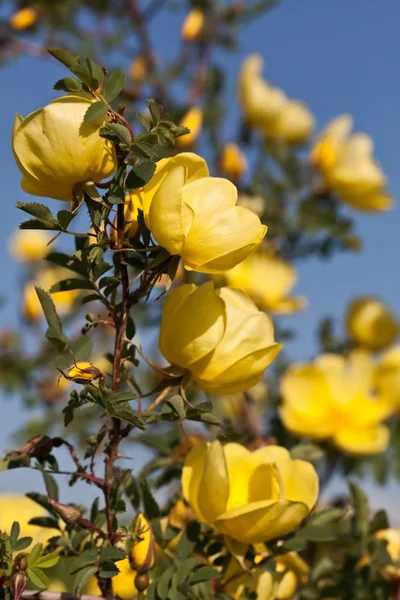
[392,537]
[20,508]
[219,336]
[269,109]
[249,496]
[192,26]
[138,68]
[24,18]
[31,307]
[123,583]
[193,120]
[268,281]
[82,372]
[348,167]
[55,150]
[387,376]
[295,570]
[132,205]
[332,397]
[196,216]
[234,406]
[255,203]
[257,581]
[28,245]
[143,553]
[233,161]
[370,323]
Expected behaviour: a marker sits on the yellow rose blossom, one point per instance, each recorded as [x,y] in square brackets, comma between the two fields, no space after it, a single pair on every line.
[193,120]
[295,571]
[233,161]
[31,307]
[55,150]
[143,551]
[332,398]
[14,507]
[268,281]
[370,323]
[192,26]
[28,245]
[123,583]
[196,216]
[249,496]
[24,18]
[132,205]
[219,336]
[269,109]
[387,376]
[348,167]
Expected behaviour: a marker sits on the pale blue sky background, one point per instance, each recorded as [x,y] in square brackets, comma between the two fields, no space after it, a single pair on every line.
[336,55]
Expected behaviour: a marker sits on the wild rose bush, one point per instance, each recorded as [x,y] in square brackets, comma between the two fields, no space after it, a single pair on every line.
[195,259]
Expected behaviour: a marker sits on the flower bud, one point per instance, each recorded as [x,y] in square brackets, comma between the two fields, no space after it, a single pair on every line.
[193,120]
[233,161]
[219,336]
[143,553]
[19,581]
[29,246]
[133,203]
[20,562]
[24,18]
[371,323]
[192,26]
[55,150]
[82,372]
[142,581]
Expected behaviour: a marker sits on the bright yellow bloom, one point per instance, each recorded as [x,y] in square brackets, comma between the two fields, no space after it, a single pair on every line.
[143,553]
[196,216]
[193,120]
[268,281]
[138,68]
[28,245]
[31,307]
[24,18]
[133,203]
[392,536]
[82,372]
[295,571]
[123,583]
[370,323]
[332,397]
[387,376]
[348,167]
[269,109]
[20,508]
[220,336]
[249,496]
[55,150]
[192,26]
[233,161]
[257,581]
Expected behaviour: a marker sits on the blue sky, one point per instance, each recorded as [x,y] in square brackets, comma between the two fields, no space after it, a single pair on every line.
[338,56]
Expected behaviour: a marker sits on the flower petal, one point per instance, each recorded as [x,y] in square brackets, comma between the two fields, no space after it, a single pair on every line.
[191,477]
[213,498]
[372,440]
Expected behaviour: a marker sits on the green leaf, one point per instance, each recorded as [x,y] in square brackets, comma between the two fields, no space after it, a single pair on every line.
[63,56]
[44,522]
[96,70]
[111,553]
[361,507]
[54,333]
[34,554]
[68,84]
[14,533]
[51,485]
[154,111]
[327,515]
[114,85]
[66,261]
[64,218]
[22,543]
[48,560]
[96,111]
[41,212]
[82,348]
[84,75]
[140,175]
[117,133]
[186,569]
[143,121]
[164,584]
[204,574]
[151,508]
[309,451]
[177,403]
[379,521]
[37,577]
[188,540]
[85,559]
[66,285]
[35,224]
[83,577]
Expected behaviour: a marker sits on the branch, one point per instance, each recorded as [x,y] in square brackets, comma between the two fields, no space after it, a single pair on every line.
[45,595]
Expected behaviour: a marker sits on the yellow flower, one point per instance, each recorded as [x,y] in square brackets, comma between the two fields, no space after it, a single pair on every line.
[269,109]
[143,553]
[233,161]
[20,508]
[192,26]
[55,150]
[295,570]
[348,167]
[387,376]
[123,583]
[220,336]
[132,205]
[196,216]
[31,307]
[370,323]
[249,496]
[268,281]
[82,372]
[193,120]
[257,581]
[332,397]
[24,18]
[138,68]
[392,537]
[27,245]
